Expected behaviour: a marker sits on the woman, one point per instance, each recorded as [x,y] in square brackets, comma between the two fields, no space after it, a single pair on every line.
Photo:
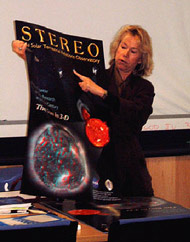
[129,98]
[126,104]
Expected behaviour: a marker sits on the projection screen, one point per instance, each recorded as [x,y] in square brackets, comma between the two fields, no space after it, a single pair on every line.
[168,23]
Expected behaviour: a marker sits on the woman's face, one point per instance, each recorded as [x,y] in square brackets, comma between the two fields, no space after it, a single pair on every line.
[128,54]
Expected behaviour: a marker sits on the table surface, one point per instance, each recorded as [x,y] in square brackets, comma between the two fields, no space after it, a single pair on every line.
[130,208]
[84,233]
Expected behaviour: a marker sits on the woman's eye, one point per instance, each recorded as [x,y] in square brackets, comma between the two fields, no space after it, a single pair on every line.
[133,51]
[123,47]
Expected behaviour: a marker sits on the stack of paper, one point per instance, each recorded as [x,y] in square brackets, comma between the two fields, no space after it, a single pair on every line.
[15,208]
[13,205]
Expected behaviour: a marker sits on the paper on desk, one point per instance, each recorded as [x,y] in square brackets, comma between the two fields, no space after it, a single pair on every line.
[8,206]
[15,206]
[29,220]
[16,193]
[11,221]
[13,210]
[41,218]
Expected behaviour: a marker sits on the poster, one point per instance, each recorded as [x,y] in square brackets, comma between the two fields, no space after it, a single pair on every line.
[60,158]
[129,210]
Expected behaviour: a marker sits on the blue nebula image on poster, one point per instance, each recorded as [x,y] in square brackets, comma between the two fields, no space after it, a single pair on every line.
[57,160]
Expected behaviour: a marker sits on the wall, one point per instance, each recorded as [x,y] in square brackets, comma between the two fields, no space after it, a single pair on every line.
[101,19]
[171,178]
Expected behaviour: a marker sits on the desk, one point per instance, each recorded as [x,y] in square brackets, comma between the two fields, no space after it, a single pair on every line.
[85,233]
[166,218]
[130,218]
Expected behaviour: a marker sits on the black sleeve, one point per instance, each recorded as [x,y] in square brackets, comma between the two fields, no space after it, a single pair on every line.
[135,109]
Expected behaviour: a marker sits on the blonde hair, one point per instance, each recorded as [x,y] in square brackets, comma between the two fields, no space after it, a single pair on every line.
[146,66]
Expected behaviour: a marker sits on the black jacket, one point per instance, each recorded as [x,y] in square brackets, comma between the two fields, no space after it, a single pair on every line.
[122,160]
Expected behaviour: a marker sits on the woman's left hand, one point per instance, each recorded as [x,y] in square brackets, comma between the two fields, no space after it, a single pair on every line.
[87,85]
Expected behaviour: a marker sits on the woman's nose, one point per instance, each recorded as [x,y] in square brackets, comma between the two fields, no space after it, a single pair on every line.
[126,53]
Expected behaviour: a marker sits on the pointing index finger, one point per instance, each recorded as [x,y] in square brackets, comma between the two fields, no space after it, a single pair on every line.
[79,75]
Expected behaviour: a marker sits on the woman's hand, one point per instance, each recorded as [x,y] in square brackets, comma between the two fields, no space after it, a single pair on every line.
[87,85]
[19,47]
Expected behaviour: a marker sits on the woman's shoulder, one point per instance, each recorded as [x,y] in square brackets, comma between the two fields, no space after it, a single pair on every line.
[142,82]
[135,81]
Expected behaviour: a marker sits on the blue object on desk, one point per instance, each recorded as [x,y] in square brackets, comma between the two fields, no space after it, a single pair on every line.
[170,228]
[10,179]
[32,228]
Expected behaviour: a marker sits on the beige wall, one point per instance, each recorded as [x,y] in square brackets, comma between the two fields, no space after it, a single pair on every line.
[171,178]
